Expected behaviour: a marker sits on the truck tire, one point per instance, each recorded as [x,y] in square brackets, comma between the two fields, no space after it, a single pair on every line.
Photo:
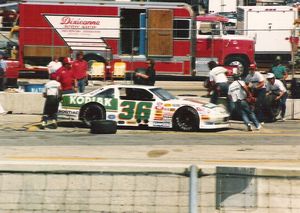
[186,119]
[103,127]
[93,57]
[92,112]
[240,62]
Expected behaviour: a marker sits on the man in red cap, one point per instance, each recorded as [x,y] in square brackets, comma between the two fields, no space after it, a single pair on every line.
[80,68]
[65,76]
[256,82]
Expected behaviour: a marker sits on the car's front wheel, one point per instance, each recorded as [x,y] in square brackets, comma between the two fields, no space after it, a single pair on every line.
[186,119]
[91,113]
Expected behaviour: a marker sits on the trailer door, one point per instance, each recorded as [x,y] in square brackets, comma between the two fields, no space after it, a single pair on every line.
[160,32]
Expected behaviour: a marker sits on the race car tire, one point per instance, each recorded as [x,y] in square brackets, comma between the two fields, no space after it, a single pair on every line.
[103,127]
[186,119]
[272,109]
[92,112]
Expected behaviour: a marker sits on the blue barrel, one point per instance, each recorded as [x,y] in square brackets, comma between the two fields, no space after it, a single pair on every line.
[38,88]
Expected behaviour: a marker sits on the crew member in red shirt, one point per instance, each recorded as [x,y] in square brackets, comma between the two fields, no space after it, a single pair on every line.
[80,68]
[65,76]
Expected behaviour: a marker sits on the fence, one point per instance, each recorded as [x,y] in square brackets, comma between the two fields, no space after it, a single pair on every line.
[224,189]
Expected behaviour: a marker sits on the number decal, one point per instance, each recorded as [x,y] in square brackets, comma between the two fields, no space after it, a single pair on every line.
[143,110]
[130,110]
[127,110]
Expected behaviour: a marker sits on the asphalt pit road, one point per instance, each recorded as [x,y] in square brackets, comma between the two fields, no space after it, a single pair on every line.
[157,153]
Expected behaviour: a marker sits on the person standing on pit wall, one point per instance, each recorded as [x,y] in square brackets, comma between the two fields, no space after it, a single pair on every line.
[53,66]
[147,78]
[280,71]
[218,81]
[3,68]
[80,68]
[52,93]
[65,76]
[237,93]
[256,82]
[276,88]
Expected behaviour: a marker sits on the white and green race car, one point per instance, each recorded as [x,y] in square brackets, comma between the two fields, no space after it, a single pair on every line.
[150,106]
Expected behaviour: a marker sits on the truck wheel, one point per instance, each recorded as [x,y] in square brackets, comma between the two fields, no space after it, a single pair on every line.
[92,58]
[92,112]
[240,62]
[186,119]
[103,127]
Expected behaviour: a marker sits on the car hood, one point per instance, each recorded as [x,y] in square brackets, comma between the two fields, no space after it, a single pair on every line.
[199,104]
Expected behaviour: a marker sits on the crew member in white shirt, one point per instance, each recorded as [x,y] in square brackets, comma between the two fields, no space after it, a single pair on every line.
[53,66]
[238,92]
[276,88]
[218,81]
[256,82]
[52,93]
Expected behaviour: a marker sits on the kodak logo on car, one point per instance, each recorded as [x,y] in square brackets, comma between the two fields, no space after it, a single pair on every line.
[81,100]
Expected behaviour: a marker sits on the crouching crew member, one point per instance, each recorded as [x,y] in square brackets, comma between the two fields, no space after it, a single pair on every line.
[276,88]
[218,81]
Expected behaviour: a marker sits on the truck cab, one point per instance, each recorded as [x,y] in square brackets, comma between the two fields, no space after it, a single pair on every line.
[214,43]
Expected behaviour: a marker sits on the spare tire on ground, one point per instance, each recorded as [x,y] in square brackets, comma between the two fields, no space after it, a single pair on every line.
[103,127]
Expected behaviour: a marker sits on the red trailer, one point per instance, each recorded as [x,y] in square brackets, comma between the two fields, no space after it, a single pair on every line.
[130,32]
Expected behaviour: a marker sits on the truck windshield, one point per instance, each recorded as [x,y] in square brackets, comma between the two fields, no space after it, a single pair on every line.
[163,94]
[209,28]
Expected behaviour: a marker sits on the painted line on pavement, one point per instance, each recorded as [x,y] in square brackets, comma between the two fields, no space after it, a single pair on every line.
[55,158]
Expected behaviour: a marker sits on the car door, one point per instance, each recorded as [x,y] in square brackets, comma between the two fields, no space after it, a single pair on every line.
[135,106]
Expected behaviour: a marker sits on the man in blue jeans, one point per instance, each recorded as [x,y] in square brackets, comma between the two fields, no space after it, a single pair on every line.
[237,93]
[256,82]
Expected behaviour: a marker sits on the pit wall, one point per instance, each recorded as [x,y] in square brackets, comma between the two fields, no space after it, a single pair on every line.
[43,187]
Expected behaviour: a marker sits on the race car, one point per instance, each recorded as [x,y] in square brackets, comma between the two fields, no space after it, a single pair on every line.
[147,106]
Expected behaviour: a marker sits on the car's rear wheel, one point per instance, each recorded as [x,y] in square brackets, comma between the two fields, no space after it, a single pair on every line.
[91,113]
[186,119]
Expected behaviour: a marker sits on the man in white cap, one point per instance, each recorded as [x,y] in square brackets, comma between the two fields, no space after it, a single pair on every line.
[276,88]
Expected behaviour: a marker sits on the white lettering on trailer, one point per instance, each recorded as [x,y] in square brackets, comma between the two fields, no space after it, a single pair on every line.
[93,29]
[102,27]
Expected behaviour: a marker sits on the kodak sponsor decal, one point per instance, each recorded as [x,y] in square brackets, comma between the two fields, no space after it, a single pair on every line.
[77,101]
[83,100]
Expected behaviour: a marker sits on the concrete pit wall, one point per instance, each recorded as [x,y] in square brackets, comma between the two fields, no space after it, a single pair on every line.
[29,188]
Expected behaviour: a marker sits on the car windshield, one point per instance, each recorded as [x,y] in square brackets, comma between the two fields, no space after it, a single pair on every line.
[163,94]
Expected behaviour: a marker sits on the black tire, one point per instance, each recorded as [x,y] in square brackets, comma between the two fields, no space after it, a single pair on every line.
[103,127]
[93,57]
[238,61]
[271,108]
[186,119]
[91,113]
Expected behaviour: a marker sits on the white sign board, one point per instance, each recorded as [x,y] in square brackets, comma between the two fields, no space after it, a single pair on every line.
[85,26]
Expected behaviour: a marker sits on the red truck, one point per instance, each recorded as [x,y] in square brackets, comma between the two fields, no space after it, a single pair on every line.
[180,42]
